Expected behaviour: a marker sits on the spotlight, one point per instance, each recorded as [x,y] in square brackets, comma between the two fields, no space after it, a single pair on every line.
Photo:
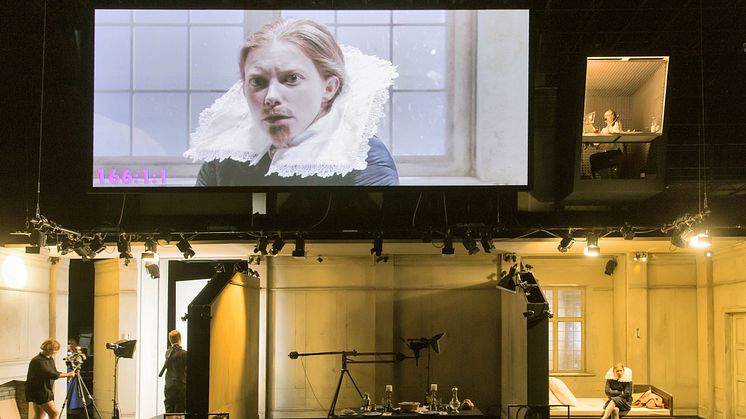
[185,248]
[377,248]
[261,246]
[150,255]
[153,269]
[447,246]
[708,253]
[65,246]
[470,244]
[610,267]
[681,235]
[701,240]
[640,257]
[628,232]
[566,243]
[591,247]
[124,248]
[508,279]
[97,245]
[38,240]
[486,241]
[277,246]
[300,247]
[84,250]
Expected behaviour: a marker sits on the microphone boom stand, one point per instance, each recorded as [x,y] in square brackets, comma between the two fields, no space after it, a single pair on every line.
[396,357]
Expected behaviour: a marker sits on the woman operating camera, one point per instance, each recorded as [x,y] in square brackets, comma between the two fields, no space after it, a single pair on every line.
[40,380]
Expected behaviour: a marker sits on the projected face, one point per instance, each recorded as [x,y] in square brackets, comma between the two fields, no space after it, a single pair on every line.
[285,91]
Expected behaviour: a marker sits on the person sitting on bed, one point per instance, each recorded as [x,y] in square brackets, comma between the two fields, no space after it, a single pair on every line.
[619,391]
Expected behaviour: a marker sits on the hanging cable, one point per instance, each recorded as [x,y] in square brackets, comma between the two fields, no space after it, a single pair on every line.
[326,214]
[702,172]
[416,207]
[445,210]
[41,109]
[121,212]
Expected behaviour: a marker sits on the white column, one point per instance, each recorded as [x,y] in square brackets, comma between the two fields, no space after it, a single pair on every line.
[115,318]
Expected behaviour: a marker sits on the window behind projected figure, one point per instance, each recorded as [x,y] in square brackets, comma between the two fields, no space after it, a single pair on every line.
[456,115]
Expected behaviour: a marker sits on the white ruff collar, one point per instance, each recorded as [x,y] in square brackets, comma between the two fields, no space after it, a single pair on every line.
[626,376]
[336,143]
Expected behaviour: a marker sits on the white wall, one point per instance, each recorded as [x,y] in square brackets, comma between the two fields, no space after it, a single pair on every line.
[33,307]
[726,291]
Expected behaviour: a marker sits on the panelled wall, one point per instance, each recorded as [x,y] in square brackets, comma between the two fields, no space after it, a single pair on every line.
[723,350]
[350,303]
[33,307]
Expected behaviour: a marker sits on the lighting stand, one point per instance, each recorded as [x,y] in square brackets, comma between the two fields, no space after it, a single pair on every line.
[115,414]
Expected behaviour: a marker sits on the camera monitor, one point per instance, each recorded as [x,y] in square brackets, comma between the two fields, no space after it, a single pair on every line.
[424,98]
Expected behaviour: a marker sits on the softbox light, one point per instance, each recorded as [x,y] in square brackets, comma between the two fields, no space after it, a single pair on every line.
[123,348]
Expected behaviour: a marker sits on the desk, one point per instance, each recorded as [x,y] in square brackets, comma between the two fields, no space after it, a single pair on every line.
[621,137]
[471,413]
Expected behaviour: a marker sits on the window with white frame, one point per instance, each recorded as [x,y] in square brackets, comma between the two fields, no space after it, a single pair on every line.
[566,328]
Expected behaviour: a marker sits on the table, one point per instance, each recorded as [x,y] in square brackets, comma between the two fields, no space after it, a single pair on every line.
[621,137]
[471,413]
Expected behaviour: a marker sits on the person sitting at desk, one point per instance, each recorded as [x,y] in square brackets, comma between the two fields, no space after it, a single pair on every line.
[613,124]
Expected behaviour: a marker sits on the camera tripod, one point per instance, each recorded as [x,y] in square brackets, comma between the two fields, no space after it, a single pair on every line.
[76,384]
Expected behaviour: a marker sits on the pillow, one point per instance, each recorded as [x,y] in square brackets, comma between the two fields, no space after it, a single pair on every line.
[560,390]
[552,398]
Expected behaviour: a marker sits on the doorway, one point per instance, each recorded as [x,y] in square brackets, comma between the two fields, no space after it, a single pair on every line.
[737,361]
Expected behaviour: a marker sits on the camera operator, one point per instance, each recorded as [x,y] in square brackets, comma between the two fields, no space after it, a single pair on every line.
[175,366]
[40,380]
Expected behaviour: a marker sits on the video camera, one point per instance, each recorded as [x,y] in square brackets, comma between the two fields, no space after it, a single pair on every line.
[75,358]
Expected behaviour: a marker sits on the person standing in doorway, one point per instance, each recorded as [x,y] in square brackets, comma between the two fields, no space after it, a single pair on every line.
[176,371]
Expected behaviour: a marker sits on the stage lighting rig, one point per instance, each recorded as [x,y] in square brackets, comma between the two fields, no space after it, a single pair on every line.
[470,244]
[185,248]
[277,246]
[261,245]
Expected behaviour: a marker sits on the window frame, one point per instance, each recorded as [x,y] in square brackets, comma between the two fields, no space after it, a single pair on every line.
[554,322]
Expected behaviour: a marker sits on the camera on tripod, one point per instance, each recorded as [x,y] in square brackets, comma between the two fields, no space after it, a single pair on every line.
[75,359]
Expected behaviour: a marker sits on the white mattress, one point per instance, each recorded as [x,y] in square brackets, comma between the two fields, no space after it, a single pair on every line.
[595,407]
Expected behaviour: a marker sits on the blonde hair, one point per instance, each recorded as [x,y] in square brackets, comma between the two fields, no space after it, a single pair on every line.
[174,336]
[313,38]
[50,345]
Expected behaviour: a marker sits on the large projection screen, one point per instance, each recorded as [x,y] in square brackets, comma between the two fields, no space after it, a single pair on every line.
[171,109]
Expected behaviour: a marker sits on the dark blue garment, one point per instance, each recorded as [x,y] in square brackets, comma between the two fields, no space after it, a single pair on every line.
[381,171]
[621,393]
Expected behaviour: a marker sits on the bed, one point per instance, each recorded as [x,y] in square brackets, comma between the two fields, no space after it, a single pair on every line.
[593,407]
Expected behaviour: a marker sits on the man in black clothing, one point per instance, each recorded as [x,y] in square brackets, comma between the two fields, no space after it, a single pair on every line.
[175,366]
